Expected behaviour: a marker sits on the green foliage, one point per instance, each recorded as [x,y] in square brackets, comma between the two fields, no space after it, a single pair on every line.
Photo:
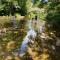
[54,20]
[15,6]
[42,4]
[25,6]
[51,5]
[53,17]
[9,7]
[36,2]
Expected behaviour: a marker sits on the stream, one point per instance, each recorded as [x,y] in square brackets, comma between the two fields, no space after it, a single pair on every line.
[26,40]
[30,32]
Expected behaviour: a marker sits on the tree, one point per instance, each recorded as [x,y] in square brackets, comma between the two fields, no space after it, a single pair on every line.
[36,2]
[9,7]
[53,18]
[42,4]
[25,6]
[51,5]
[15,6]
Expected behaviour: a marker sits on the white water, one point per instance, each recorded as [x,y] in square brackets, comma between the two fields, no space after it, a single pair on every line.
[32,33]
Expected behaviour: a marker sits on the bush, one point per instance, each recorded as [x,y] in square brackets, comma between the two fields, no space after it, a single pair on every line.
[53,18]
